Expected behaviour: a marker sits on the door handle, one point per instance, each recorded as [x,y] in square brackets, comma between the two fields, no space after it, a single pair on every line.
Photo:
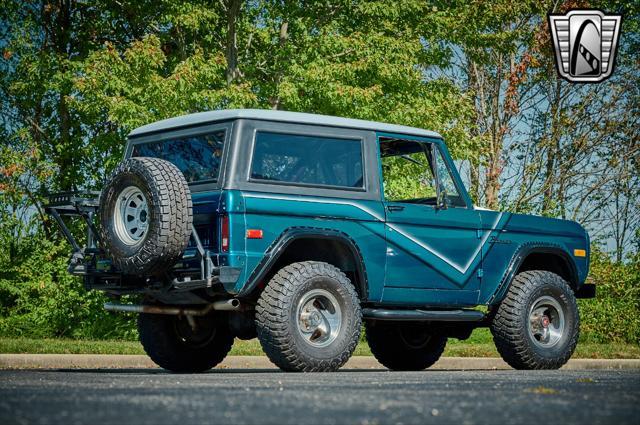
[392,208]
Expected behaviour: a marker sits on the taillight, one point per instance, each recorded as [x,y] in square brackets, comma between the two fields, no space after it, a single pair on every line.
[224,233]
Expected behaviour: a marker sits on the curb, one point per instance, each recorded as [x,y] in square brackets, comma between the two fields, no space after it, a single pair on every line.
[107,361]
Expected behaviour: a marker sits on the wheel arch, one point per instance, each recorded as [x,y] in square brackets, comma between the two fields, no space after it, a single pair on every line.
[297,244]
[538,256]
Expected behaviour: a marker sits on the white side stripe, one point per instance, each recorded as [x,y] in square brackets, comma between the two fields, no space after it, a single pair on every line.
[323,201]
[459,268]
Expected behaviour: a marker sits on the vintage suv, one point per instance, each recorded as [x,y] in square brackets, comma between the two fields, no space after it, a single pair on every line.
[297,228]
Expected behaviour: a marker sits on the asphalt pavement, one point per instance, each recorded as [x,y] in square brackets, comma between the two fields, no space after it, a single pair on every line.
[266,396]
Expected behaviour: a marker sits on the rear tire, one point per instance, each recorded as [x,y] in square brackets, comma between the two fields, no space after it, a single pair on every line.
[537,325]
[173,345]
[308,318]
[404,346]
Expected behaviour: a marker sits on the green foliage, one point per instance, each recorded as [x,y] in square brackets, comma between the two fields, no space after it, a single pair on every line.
[38,298]
[407,180]
[614,315]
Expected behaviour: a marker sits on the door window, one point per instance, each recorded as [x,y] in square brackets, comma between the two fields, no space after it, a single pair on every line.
[409,174]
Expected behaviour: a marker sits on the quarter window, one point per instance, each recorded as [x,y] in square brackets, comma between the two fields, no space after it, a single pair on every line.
[447,184]
[307,160]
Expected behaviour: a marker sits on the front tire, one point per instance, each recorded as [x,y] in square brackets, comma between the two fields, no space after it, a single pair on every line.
[404,346]
[174,345]
[308,318]
[537,325]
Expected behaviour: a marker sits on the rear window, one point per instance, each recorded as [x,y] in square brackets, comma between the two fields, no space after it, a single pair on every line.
[307,160]
[198,157]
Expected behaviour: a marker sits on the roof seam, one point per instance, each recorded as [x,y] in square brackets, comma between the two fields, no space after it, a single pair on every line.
[210,117]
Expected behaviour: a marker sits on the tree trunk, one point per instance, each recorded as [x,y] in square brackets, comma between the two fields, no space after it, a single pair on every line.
[63,50]
[552,149]
[282,39]
[65,161]
[494,166]
[233,11]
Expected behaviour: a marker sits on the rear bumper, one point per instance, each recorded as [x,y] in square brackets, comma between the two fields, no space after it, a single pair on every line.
[587,290]
[118,283]
[199,268]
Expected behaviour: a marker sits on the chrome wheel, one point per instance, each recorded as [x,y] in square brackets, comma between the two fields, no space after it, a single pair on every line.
[546,322]
[319,318]
[131,216]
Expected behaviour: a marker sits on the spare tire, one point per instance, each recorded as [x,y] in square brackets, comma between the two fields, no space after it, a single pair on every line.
[145,216]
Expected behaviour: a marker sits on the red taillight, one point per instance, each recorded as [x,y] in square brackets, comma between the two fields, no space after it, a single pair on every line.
[224,233]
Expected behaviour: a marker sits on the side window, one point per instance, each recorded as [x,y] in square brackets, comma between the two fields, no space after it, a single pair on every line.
[307,160]
[408,172]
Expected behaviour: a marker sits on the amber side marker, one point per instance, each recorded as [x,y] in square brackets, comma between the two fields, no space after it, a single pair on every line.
[254,234]
[579,252]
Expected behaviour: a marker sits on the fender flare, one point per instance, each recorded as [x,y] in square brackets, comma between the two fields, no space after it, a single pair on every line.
[291,234]
[520,256]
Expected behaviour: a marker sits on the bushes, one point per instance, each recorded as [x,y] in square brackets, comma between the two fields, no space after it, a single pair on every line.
[38,298]
[614,315]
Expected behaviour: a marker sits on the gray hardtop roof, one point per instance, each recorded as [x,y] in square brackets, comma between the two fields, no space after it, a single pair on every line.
[282,116]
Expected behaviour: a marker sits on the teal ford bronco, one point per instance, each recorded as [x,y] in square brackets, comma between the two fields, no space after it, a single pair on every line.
[298,228]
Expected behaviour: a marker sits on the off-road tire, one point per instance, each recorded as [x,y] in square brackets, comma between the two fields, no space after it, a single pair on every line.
[170,349]
[510,324]
[169,217]
[390,346]
[277,321]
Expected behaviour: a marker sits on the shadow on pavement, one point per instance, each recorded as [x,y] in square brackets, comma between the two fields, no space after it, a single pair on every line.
[150,371]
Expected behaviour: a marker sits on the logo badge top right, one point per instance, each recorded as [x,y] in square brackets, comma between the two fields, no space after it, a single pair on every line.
[585,43]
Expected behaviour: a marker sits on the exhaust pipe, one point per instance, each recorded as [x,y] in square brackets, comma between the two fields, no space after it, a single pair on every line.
[224,305]
[227,305]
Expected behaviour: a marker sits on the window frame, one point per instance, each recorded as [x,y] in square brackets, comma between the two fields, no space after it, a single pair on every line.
[431,143]
[251,179]
[200,185]
[238,172]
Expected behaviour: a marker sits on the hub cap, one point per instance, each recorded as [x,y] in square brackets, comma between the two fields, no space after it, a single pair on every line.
[131,216]
[546,322]
[319,318]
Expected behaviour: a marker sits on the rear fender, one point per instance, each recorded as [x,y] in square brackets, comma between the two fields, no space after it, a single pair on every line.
[279,248]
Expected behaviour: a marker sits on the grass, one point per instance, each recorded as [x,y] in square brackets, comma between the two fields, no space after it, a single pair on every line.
[479,345]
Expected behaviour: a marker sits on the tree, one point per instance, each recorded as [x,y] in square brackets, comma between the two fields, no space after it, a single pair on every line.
[77,75]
